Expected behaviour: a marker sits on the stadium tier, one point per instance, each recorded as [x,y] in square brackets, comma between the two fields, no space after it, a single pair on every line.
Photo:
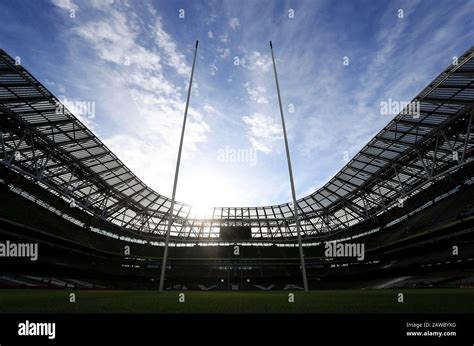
[407,197]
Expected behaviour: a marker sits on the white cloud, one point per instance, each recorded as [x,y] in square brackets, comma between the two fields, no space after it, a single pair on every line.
[137,95]
[210,34]
[174,58]
[210,19]
[234,23]
[65,4]
[257,61]
[101,4]
[224,38]
[256,94]
[213,68]
[262,131]
[209,109]
[223,52]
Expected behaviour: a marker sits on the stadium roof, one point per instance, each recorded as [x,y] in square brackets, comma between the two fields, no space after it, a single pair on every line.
[42,140]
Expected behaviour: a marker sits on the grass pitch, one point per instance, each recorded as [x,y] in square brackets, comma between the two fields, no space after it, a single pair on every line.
[327,301]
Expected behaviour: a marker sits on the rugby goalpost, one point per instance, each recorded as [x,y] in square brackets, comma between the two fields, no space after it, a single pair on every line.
[290,173]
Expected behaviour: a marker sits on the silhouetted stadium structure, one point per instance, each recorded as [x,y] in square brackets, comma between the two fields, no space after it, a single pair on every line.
[408,195]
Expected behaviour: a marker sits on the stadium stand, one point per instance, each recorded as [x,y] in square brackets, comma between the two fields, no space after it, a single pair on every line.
[407,196]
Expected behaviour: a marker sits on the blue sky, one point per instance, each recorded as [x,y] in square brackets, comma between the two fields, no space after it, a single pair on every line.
[132,60]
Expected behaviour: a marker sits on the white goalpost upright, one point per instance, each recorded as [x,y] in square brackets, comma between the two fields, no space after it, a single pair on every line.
[290,172]
[176,173]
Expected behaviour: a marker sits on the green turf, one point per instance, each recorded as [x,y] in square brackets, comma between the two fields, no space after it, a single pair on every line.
[328,301]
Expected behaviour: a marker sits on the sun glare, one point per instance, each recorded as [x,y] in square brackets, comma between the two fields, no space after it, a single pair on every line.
[204,190]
